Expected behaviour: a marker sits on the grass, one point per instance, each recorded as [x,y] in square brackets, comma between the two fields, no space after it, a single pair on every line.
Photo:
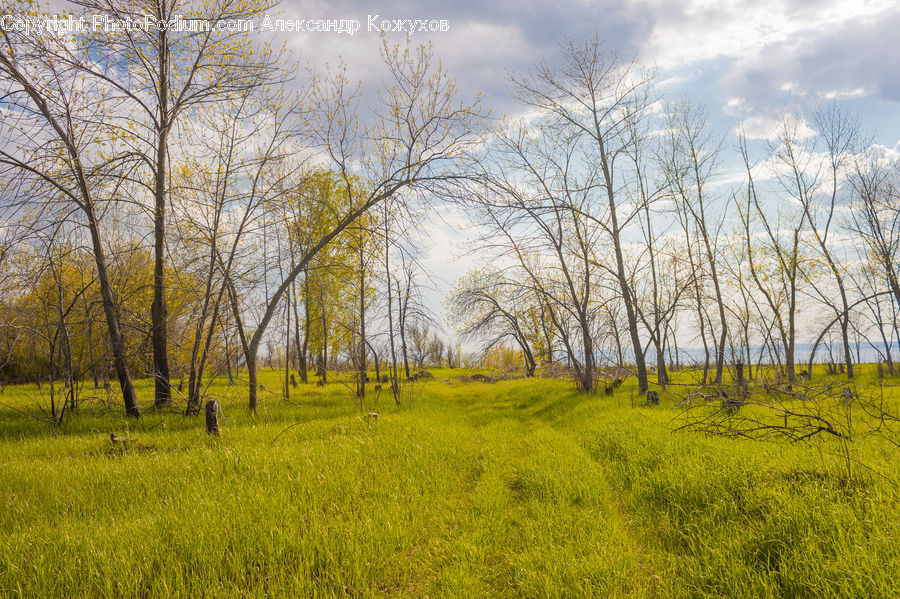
[520,488]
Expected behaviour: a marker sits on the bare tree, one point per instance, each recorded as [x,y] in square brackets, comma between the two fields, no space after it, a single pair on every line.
[819,194]
[688,159]
[598,100]
[53,130]
[489,307]
[541,226]
[777,267]
[422,130]
[159,77]
[877,216]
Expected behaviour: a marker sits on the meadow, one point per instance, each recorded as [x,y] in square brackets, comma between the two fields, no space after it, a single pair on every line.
[518,488]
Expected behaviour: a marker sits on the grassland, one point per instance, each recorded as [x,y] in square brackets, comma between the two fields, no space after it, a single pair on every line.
[520,488]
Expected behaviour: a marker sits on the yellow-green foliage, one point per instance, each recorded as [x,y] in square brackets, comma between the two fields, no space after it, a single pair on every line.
[504,358]
[516,488]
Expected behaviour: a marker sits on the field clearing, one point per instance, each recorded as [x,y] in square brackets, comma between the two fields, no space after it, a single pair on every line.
[520,488]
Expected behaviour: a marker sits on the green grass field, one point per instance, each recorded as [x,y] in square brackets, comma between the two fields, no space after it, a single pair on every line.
[517,488]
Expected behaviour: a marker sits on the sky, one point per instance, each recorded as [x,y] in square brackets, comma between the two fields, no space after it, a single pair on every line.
[745,60]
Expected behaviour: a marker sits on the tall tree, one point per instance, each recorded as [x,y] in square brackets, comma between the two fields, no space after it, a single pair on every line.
[776,262]
[688,160]
[839,133]
[54,134]
[596,99]
[421,131]
[160,75]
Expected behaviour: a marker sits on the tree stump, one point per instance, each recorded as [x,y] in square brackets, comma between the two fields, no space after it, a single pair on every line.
[212,417]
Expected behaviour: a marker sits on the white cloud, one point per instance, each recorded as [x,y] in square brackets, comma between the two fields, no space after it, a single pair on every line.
[768,126]
[700,30]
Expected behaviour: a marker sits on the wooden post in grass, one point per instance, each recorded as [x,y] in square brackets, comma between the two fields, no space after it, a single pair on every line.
[212,417]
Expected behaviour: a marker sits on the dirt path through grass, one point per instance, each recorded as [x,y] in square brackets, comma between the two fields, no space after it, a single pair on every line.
[538,517]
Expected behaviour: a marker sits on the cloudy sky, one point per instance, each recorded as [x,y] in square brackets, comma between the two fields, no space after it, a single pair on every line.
[743,59]
[746,60]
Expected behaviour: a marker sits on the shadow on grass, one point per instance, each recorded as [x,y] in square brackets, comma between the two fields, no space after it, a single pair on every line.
[523,400]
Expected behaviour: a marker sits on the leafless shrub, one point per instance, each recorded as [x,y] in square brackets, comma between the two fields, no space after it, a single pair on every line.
[796,413]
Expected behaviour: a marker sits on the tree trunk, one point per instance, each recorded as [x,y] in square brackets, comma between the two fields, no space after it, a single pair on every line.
[587,376]
[194,377]
[251,382]
[66,352]
[361,390]
[395,387]
[158,309]
[324,365]
[287,350]
[402,326]
[90,340]
[227,359]
[845,336]
[377,364]
[307,326]
[530,364]
[120,361]
[626,293]
[714,274]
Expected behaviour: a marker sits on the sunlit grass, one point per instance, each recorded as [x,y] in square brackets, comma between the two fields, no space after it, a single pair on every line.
[517,488]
